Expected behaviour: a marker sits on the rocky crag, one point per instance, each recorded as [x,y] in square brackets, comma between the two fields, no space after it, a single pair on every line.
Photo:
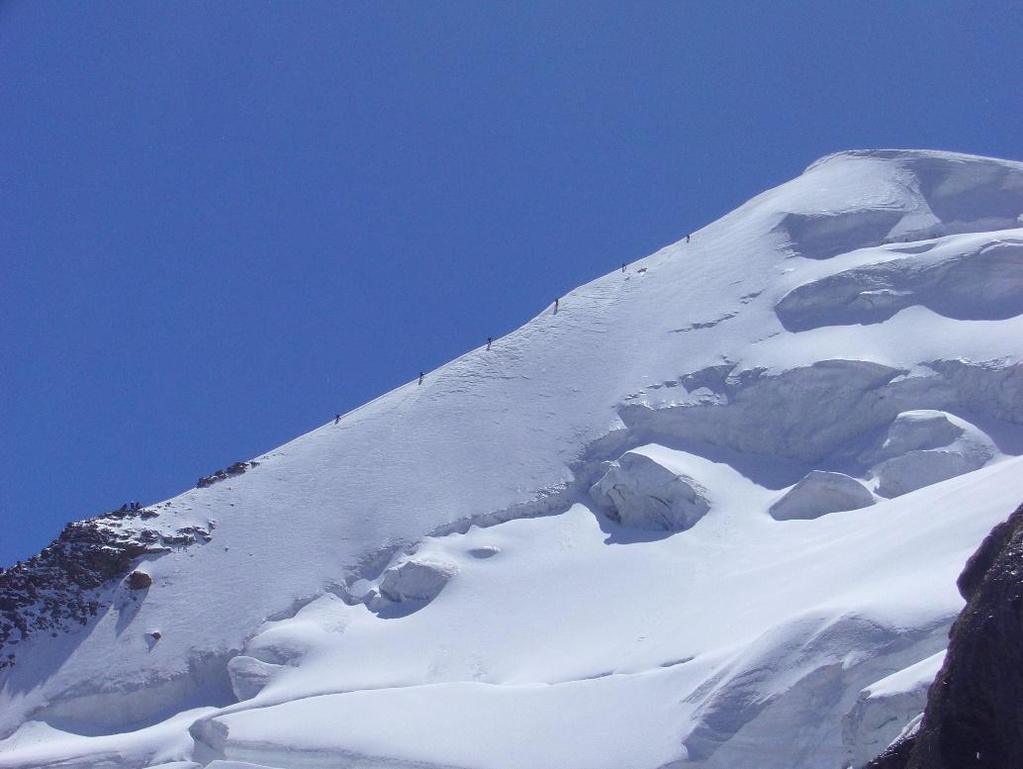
[974,714]
[62,586]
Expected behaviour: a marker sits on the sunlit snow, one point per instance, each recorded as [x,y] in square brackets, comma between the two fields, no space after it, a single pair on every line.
[709,513]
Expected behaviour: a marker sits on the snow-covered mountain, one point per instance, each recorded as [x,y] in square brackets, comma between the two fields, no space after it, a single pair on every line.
[707,512]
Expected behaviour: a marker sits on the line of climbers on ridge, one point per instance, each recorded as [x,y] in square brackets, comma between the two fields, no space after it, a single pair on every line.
[490,339]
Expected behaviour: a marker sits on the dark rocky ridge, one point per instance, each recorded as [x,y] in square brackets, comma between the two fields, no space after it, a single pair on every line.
[974,713]
[235,469]
[59,587]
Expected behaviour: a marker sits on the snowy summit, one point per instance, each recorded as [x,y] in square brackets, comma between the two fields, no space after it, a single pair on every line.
[707,512]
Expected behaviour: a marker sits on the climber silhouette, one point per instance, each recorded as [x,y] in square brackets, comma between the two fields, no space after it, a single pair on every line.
[420,377]
[490,340]
[337,418]
[556,306]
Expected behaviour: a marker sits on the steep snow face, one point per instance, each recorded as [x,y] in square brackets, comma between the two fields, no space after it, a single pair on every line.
[698,515]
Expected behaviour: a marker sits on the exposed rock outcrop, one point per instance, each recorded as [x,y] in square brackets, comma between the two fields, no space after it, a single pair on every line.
[236,468]
[60,587]
[139,580]
[974,713]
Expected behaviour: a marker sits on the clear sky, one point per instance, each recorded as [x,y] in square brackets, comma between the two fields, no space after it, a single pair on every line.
[221,223]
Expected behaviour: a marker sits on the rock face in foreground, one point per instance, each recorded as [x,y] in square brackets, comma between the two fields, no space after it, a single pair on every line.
[974,714]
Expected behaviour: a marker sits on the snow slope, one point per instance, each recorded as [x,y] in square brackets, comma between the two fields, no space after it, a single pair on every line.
[561,552]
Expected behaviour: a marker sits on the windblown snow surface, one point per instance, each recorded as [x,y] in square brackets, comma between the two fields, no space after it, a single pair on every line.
[709,513]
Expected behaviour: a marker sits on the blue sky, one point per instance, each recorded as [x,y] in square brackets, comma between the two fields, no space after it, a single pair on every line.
[222,223]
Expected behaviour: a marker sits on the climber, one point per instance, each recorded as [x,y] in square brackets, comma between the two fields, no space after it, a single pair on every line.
[490,340]
[337,418]
[420,377]
[623,268]
[556,306]
[687,238]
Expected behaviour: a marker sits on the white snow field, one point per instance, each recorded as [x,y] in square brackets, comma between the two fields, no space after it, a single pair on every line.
[710,514]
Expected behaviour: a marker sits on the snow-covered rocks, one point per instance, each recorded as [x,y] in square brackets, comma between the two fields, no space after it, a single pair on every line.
[924,447]
[821,492]
[416,580]
[639,492]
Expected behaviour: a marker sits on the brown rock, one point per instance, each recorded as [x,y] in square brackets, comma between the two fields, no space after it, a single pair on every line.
[974,713]
[139,580]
